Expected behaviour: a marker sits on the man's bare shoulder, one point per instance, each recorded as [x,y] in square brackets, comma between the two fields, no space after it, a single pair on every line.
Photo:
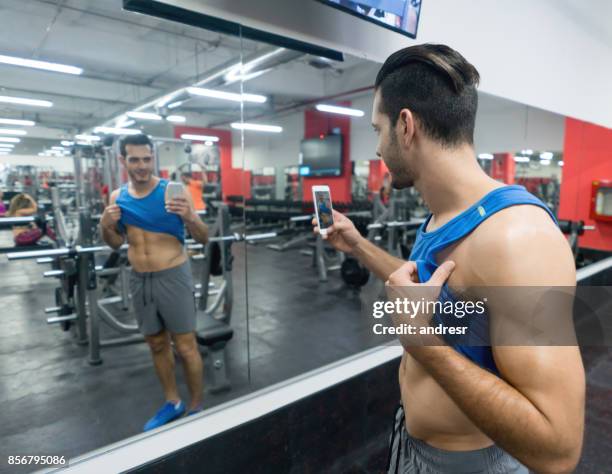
[521,245]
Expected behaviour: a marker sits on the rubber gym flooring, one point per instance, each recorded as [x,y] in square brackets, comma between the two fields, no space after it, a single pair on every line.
[53,402]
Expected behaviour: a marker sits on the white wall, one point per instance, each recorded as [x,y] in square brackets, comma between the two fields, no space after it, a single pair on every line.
[57,163]
[551,54]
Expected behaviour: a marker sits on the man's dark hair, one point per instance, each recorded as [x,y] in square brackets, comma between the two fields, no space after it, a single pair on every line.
[140,139]
[438,85]
[186,174]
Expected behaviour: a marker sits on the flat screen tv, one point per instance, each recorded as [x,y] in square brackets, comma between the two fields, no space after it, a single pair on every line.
[321,156]
[401,16]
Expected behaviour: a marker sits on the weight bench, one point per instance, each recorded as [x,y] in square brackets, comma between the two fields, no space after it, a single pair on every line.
[213,335]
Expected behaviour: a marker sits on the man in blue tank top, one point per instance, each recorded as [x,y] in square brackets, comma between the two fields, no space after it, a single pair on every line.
[468,408]
[161,283]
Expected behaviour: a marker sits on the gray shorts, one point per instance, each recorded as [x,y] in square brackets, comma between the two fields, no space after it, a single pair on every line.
[408,455]
[164,300]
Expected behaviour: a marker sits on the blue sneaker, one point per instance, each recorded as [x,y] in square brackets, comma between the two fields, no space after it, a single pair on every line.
[170,411]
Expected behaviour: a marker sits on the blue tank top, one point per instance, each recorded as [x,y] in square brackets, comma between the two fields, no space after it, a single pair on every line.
[149,213]
[476,346]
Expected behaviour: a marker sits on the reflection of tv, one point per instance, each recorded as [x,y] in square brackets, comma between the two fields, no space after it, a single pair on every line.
[401,16]
[321,156]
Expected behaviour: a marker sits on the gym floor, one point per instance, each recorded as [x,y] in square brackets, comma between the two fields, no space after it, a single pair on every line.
[58,404]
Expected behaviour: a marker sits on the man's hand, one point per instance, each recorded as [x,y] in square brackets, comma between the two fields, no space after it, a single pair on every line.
[343,235]
[183,208]
[110,216]
[403,284]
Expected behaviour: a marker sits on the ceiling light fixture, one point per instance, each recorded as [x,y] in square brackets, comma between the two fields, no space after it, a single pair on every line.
[199,138]
[485,156]
[9,140]
[25,123]
[144,115]
[25,101]
[47,66]
[176,104]
[87,138]
[199,91]
[547,155]
[117,131]
[334,109]
[521,159]
[176,118]
[66,143]
[12,131]
[255,127]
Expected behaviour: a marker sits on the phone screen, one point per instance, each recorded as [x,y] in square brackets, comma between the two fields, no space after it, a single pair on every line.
[324,209]
[174,190]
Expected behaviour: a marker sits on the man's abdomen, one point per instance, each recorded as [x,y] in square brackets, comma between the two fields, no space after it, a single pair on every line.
[152,251]
[431,415]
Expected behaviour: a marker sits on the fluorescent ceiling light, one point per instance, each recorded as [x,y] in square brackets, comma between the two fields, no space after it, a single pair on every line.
[47,66]
[527,152]
[117,131]
[90,138]
[545,162]
[66,143]
[560,163]
[176,118]
[5,152]
[144,115]
[485,156]
[334,109]
[260,99]
[60,148]
[521,159]
[7,145]
[241,71]
[12,131]
[126,123]
[24,101]
[256,127]
[199,138]
[25,123]
[547,155]
[176,104]
[208,143]
[9,140]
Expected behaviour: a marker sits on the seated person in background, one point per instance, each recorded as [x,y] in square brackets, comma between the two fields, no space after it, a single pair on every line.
[2,206]
[23,205]
[195,188]
[385,190]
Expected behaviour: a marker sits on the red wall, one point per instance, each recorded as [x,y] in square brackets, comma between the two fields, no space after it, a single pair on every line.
[377,175]
[321,123]
[587,157]
[234,181]
[503,167]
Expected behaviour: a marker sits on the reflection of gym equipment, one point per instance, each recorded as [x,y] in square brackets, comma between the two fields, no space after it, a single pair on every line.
[574,229]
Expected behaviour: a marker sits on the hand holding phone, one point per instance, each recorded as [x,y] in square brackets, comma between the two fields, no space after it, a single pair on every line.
[323,207]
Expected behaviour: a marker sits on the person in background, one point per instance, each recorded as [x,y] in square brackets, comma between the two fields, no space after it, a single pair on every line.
[385,190]
[23,205]
[2,206]
[195,188]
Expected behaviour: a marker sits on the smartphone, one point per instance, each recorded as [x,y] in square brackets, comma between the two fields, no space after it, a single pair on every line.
[323,207]
[173,190]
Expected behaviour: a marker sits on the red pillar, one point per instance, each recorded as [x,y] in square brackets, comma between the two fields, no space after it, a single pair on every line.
[321,123]
[378,169]
[587,157]
[503,167]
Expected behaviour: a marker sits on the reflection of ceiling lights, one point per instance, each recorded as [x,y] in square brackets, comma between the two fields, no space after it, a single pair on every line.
[547,155]
[7,145]
[9,140]
[199,91]
[25,123]
[31,63]
[242,72]
[521,159]
[485,156]
[116,131]
[208,143]
[144,116]
[176,104]
[199,138]
[176,118]
[545,162]
[560,163]
[125,122]
[66,143]
[12,131]
[24,101]
[60,148]
[87,138]
[256,127]
[527,152]
[334,109]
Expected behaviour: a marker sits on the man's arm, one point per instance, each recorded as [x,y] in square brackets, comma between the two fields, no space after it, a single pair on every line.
[108,223]
[535,411]
[183,206]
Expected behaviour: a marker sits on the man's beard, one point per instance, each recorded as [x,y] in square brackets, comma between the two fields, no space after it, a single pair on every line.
[401,177]
[140,178]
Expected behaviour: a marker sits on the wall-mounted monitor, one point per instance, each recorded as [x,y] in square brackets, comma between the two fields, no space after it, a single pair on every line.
[401,16]
[321,156]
